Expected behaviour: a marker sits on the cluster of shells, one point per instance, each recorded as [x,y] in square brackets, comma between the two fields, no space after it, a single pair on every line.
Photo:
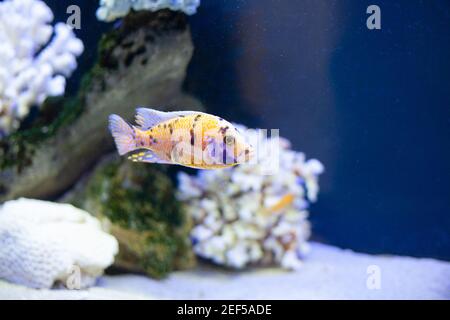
[242,215]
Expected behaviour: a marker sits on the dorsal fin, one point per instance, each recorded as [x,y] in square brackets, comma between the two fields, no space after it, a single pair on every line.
[147,118]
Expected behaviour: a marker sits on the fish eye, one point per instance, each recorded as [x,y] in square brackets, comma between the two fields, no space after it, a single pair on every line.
[229,140]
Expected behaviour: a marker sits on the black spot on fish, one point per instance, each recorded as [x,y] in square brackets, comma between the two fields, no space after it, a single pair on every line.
[165,126]
[192,136]
[181,116]
[155,141]
[223,130]
[224,155]
[197,117]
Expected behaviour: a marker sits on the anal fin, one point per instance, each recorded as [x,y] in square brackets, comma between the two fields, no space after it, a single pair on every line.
[146,156]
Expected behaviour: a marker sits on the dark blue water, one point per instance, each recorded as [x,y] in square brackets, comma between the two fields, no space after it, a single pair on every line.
[373,106]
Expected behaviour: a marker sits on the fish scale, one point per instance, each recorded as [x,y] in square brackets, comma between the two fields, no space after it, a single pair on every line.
[160,138]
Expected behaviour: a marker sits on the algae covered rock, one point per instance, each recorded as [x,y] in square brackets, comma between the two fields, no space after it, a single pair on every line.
[141,63]
[146,218]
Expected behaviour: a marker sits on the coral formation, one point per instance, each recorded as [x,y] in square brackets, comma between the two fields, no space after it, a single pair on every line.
[141,63]
[243,216]
[146,218]
[110,10]
[42,243]
[35,58]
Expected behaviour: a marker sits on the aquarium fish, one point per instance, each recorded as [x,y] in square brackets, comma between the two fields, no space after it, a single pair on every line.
[188,138]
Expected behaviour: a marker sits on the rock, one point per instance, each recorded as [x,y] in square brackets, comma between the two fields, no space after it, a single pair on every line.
[141,63]
[44,243]
[139,201]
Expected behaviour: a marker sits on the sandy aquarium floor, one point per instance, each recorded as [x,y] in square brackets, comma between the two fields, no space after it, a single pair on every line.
[328,273]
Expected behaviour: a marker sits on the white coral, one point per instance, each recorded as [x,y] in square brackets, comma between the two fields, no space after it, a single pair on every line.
[232,225]
[110,10]
[43,243]
[35,58]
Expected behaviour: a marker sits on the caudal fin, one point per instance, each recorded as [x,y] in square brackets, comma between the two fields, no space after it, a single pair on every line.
[123,134]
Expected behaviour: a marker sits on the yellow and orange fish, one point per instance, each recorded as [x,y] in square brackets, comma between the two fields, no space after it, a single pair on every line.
[188,138]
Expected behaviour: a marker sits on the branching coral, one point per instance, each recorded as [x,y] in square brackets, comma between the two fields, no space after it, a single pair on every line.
[244,217]
[35,58]
[110,10]
[42,243]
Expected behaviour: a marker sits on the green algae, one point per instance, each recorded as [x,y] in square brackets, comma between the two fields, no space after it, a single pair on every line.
[149,222]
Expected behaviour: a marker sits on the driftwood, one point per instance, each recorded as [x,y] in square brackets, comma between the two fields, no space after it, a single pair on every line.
[143,64]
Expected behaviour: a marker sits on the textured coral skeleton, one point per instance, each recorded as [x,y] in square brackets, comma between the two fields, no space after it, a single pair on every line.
[35,59]
[234,225]
[41,244]
[111,10]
